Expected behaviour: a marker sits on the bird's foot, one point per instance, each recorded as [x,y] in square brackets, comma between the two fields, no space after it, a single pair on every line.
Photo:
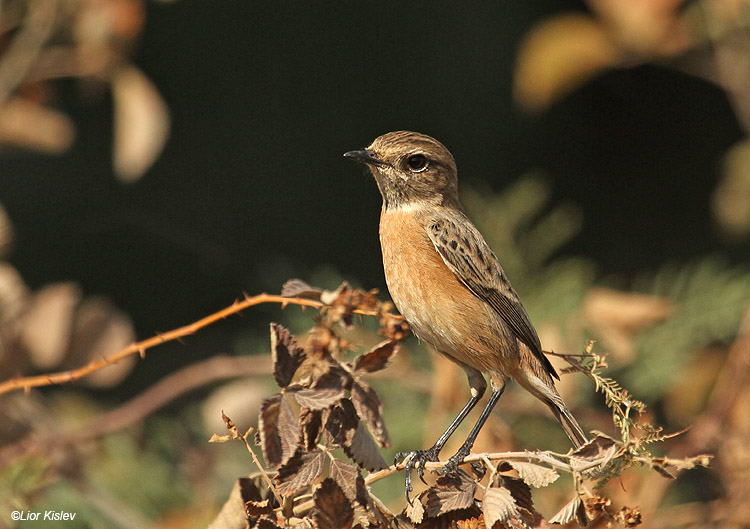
[456,459]
[416,459]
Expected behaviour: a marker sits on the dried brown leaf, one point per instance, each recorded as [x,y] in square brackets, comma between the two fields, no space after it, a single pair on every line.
[367,518]
[311,422]
[498,506]
[415,511]
[377,358]
[249,490]
[278,429]
[452,492]
[363,450]
[258,508]
[316,399]
[599,447]
[299,471]
[286,354]
[341,423]
[533,474]
[233,513]
[296,288]
[288,428]
[327,389]
[350,480]
[370,410]
[573,510]
[520,491]
[332,508]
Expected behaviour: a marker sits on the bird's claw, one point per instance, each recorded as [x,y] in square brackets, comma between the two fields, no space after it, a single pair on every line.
[456,459]
[418,459]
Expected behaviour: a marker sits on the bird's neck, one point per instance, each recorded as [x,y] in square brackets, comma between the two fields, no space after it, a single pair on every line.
[422,204]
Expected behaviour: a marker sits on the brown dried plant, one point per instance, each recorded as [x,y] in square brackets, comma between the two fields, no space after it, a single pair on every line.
[319,436]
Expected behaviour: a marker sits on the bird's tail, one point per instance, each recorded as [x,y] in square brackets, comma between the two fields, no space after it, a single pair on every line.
[567,421]
[546,392]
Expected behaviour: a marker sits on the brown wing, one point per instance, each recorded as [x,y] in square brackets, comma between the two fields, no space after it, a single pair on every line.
[468,255]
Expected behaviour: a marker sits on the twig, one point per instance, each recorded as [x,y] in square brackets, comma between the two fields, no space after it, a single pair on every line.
[550,459]
[263,471]
[62,377]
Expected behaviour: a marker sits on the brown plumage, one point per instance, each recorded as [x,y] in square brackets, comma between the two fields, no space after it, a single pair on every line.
[448,283]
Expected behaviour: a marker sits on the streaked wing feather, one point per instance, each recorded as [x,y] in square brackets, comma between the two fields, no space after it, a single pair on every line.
[459,243]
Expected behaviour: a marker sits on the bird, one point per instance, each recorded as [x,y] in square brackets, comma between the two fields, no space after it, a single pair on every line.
[449,285]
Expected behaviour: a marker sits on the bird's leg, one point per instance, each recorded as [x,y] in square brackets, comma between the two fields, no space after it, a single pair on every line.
[418,458]
[456,459]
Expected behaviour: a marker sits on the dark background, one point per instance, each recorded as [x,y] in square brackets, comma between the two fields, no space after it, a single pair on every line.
[265,97]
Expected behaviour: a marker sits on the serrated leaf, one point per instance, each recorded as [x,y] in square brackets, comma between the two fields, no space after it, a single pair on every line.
[452,492]
[288,428]
[350,480]
[370,409]
[286,354]
[498,505]
[520,491]
[278,429]
[415,511]
[362,449]
[296,288]
[268,433]
[326,390]
[534,475]
[332,508]
[377,358]
[300,471]
[574,509]
[316,399]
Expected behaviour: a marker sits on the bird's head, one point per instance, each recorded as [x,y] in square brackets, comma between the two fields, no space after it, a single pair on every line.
[411,169]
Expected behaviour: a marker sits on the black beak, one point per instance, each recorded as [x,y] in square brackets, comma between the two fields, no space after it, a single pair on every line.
[364,156]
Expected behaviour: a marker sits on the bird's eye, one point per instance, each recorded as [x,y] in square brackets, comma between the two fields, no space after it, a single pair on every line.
[417,162]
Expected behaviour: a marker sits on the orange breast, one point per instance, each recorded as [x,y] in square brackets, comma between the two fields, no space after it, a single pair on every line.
[436,304]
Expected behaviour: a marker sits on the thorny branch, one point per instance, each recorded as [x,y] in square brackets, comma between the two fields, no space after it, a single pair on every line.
[62,377]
